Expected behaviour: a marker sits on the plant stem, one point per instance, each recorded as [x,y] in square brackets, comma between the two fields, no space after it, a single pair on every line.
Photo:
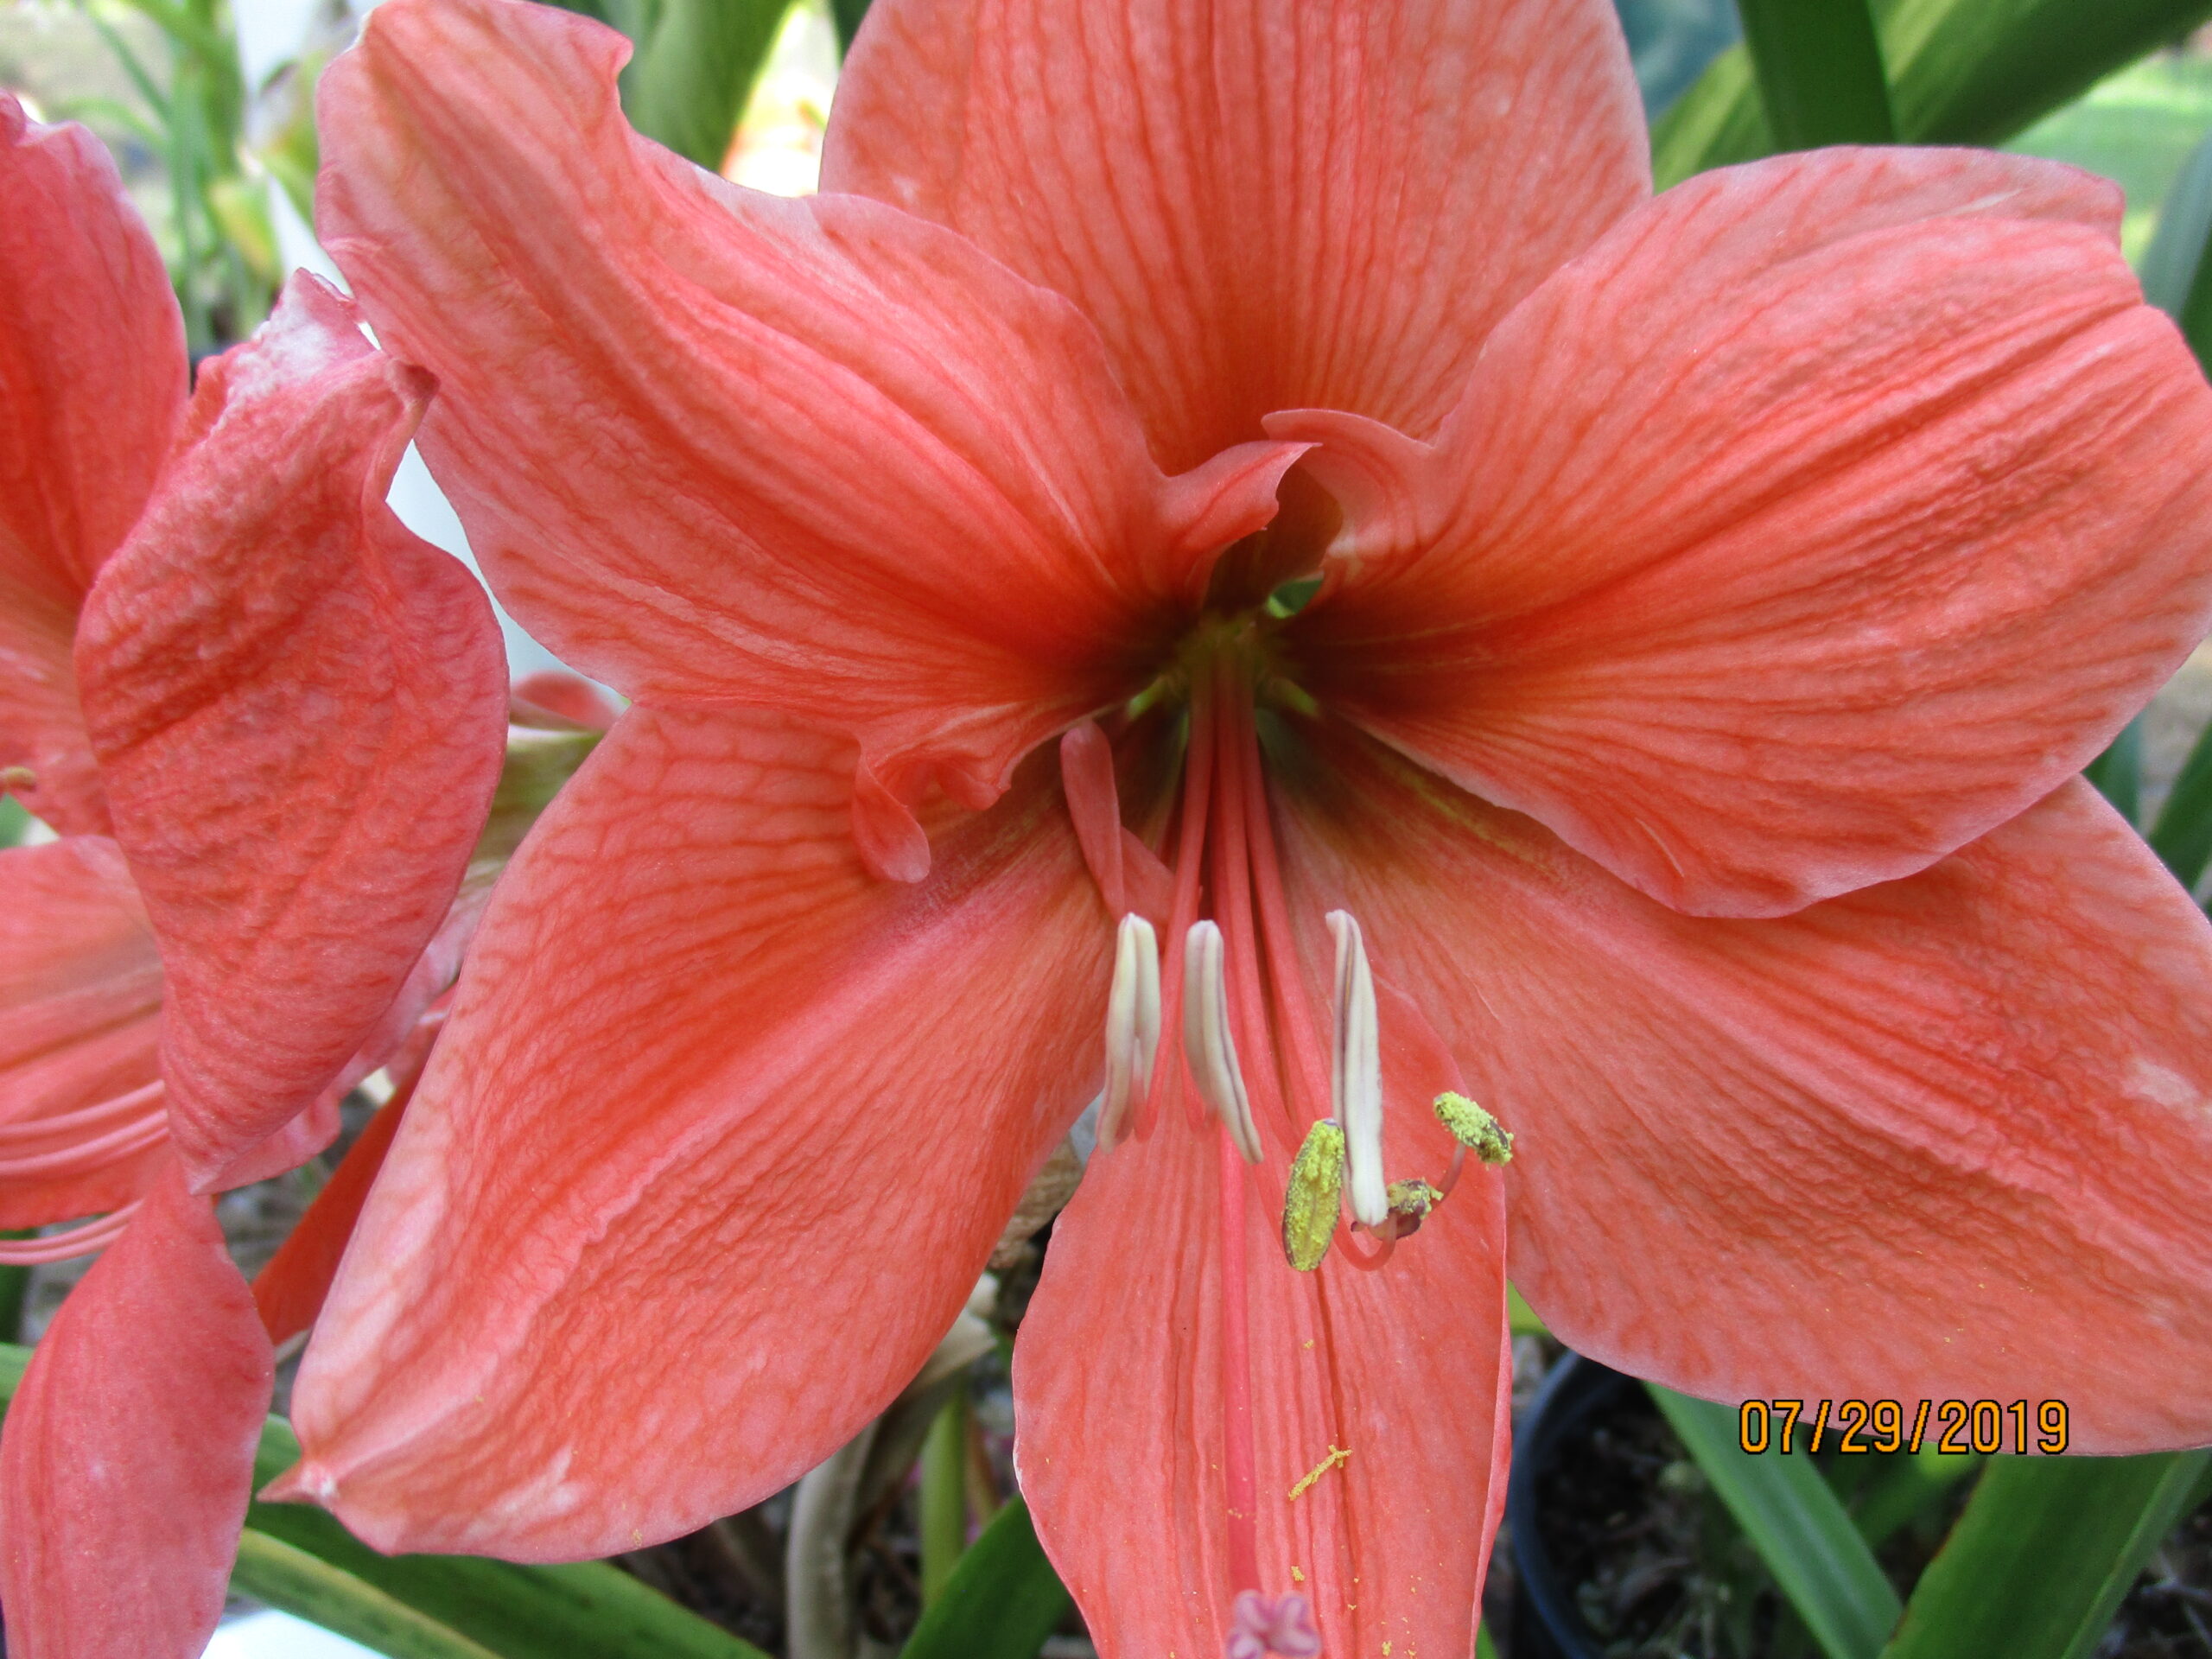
[944,1497]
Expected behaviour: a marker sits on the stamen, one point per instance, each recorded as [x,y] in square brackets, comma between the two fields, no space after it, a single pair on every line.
[1310,1202]
[1132,1025]
[1283,1626]
[76,1241]
[1355,1075]
[1474,1129]
[1207,1042]
[1410,1202]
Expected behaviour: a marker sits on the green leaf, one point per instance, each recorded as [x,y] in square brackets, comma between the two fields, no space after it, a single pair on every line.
[2117,773]
[944,1498]
[1819,69]
[1961,72]
[694,69]
[591,1610]
[2176,250]
[1000,1603]
[848,14]
[298,1583]
[1798,1527]
[519,1612]
[2045,1550]
[1901,1486]
[1521,1318]
[2183,835]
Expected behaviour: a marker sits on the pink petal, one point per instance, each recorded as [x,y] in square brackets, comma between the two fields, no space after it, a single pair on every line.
[1829,512]
[80,995]
[91,382]
[1943,1138]
[717,1138]
[1119,1401]
[570,697]
[299,709]
[1262,204]
[717,447]
[127,1456]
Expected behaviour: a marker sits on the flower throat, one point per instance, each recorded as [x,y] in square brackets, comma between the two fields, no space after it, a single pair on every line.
[1235,991]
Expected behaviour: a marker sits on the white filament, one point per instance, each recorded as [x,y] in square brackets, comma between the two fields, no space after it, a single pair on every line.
[1355,1072]
[1207,1042]
[1132,1025]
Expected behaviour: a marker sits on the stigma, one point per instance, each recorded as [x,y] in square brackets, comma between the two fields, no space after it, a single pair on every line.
[1262,1626]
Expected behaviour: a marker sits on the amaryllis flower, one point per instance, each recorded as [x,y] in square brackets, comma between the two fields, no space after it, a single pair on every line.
[268,723]
[1263,481]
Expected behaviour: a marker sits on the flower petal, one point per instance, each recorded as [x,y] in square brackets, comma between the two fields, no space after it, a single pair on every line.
[1825,515]
[718,447]
[1943,1138]
[299,709]
[127,1457]
[291,1289]
[81,1126]
[1119,1394]
[716,1140]
[1262,204]
[91,382]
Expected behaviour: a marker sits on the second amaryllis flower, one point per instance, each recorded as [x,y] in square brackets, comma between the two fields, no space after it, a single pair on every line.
[267,722]
[1620,660]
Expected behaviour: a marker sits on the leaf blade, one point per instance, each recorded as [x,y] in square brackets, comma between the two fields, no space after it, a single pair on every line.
[1961,72]
[1002,1601]
[308,1587]
[2046,1548]
[1800,1529]
[1819,69]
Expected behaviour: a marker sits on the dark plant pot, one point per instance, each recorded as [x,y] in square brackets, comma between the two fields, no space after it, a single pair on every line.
[1546,1624]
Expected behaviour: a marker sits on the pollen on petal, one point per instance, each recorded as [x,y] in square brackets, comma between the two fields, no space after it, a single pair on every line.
[1474,1129]
[1311,1197]
[1355,1072]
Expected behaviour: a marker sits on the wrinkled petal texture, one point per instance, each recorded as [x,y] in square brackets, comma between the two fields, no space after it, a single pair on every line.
[1825,515]
[128,1453]
[1119,1399]
[718,447]
[714,1145]
[1121,1414]
[1262,204]
[91,382]
[81,1126]
[1941,1138]
[299,708]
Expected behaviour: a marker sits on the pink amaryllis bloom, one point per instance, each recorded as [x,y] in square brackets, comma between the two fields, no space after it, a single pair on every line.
[268,723]
[1621,660]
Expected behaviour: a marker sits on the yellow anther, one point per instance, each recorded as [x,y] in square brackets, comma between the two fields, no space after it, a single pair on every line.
[1474,1129]
[1309,1206]
[17,778]
[1413,1199]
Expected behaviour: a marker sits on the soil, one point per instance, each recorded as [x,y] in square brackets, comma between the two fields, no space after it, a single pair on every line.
[1660,1571]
